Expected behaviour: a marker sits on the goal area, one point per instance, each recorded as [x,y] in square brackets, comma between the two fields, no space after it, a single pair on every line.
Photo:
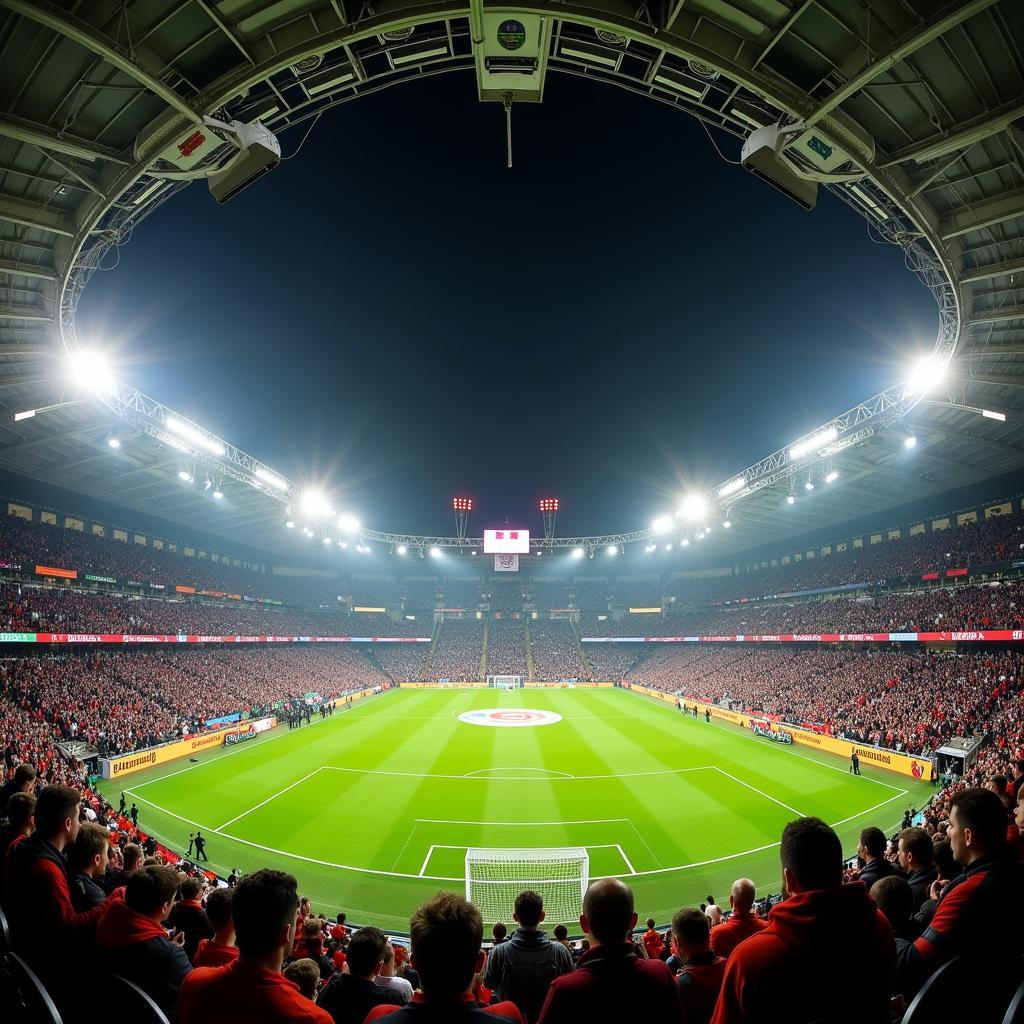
[505,682]
[495,877]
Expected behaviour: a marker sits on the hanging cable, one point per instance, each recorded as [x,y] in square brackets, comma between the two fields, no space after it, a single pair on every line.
[507,103]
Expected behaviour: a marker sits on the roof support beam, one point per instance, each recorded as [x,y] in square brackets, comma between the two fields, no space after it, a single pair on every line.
[1008,380]
[12,269]
[32,215]
[60,21]
[925,33]
[986,273]
[1016,451]
[991,123]
[47,139]
[983,214]
[33,313]
[997,316]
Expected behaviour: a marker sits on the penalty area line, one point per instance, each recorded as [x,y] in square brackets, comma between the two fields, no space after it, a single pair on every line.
[760,792]
[273,796]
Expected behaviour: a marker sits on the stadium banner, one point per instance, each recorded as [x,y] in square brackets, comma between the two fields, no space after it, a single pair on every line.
[18,638]
[50,570]
[914,767]
[443,686]
[116,767]
[564,684]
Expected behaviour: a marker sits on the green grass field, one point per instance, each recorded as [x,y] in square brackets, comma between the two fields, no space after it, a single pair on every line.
[373,809]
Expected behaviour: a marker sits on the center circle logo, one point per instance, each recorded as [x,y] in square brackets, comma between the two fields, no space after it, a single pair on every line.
[511,34]
[509,718]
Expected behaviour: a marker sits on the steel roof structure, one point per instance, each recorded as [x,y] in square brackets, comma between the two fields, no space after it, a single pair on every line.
[912,111]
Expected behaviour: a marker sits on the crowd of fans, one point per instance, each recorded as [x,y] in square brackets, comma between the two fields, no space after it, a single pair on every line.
[87,896]
[123,700]
[555,651]
[457,651]
[506,647]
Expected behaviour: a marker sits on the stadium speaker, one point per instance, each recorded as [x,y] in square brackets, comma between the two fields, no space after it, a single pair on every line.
[259,152]
[762,155]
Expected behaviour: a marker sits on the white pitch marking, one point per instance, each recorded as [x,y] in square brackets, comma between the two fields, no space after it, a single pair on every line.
[760,792]
[483,771]
[581,821]
[405,845]
[622,854]
[426,860]
[280,792]
[515,778]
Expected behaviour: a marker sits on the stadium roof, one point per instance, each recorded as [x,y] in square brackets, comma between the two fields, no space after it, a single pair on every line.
[912,112]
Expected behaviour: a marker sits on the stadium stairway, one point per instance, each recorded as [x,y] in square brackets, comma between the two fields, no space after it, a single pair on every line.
[529,652]
[483,654]
[435,633]
[575,626]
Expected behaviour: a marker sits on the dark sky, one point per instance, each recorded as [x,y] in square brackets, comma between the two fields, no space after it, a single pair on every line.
[395,315]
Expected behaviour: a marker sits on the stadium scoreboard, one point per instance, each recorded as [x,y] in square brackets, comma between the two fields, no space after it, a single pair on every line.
[506,542]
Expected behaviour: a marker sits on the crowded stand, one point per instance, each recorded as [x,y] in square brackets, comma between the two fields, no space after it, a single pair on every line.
[123,700]
[555,651]
[456,593]
[402,663]
[506,647]
[504,595]
[457,651]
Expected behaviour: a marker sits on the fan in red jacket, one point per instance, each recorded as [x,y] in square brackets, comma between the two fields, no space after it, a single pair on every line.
[45,927]
[253,989]
[826,941]
[611,983]
[742,922]
[702,970]
[221,949]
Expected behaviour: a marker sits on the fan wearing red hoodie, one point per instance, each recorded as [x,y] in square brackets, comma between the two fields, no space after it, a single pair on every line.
[826,941]
[611,984]
[221,949]
[46,930]
[652,940]
[253,989]
[742,922]
[133,942]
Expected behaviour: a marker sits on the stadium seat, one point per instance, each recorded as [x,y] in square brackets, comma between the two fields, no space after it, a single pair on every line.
[962,988]
[1015,1011]
[25,1000]
[5,934]
[138,1006]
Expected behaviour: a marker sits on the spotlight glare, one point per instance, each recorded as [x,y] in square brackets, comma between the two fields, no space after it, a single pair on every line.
[727,524]
[576,552]
[809,486]
[650,548]
[271,478]
[926,375]
[831,477]
[90,371]
[435,552]
[184,474]
[613,549]
[198,437]
[732,487]
[685,542]
[790,499]
[114,442]
[348,523]
[662,524]
[315,504]
[813,443]
[668,547]
[910,442]
[693,506]
[290,524]
[402,549]
[327,540]
[218,494]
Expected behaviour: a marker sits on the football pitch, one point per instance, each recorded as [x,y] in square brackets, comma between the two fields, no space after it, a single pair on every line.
[373,809]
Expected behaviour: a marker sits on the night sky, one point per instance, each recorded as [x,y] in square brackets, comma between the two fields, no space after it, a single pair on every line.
[397,317]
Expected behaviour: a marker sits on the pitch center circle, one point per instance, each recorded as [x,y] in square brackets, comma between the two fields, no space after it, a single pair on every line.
[509,718]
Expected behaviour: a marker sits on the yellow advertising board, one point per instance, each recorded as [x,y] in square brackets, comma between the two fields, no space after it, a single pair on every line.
[913,767]
[115,767]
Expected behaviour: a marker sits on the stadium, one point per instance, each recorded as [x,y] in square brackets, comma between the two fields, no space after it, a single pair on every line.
[401,600]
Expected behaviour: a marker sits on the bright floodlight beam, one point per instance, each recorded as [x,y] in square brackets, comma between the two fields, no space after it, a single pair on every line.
[271,478]
[348,523]
[576,552]
[315,504]
[90,371]
[813,443]
[732,487]
[926,375]
[693,506]
[910,442]
[198,437]
[662,524]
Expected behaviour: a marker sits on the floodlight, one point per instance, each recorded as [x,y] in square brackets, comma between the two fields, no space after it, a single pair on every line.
[184,474]
[290,524]
[462,504]
[650,548]
[613,549]
[790,499]
[576,552]
[926,375]
[685,542]
[271,478]
[809,486]
[314,504]
[348,523]
[831,476]
[732,487]
[693,506]
[193,434]
[307,531]
[813,443]
[435,552]
[402,549]
[549,504]
[668,547]
[726,524]
[26,415]
[90,371]
[218,494]
[114,442]
[990,415]
[342,544]
[910,442]
[662,524]
[327,540]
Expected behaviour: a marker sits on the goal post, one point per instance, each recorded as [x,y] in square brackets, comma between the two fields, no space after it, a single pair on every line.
[495,877]
[505,682]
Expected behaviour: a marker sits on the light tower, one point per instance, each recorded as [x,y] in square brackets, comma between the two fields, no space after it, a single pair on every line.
[549,510]
[462,506]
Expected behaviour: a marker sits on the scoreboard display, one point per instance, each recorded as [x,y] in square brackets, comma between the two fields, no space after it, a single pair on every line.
[506,542]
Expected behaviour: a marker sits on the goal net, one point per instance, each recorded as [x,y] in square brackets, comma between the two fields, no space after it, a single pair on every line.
[494,877]
[505,682]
